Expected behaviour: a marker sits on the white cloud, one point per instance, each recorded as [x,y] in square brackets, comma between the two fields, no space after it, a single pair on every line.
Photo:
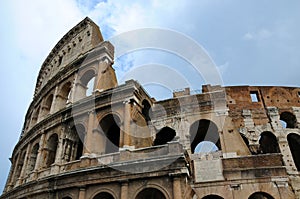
[261,34]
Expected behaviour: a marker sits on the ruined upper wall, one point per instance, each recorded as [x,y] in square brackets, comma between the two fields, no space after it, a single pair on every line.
[78,41]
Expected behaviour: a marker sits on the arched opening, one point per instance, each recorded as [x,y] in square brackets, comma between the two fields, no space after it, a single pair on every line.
[35,116]
[212,197]
[150,193]
[47,105]
[206,147]
[109,125]
[204,130]
[80,136]
[103,195]
[19,165]
[73,143]
[64,95]
[33,157]
[51,149]
[268,143]
[146,110]
[87,82]
[288,120]
[165,135]
[294,144]
[260,195]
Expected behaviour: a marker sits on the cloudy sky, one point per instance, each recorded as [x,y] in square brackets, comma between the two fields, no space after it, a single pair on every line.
[253,42]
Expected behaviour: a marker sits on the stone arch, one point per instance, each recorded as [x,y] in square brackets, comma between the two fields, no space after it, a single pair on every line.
[110,127]
[288,120]
[150,193]
[204,130]
[212,196]
[86,83]
[268,143]
[52,144]
[166,134]
[63,96]
[67,197]
[146,110]
[47,105]
[260,195]
[294,144]
[104,194]
[33,157]
[20,164]
[278,94]
[74,143]
[35,116]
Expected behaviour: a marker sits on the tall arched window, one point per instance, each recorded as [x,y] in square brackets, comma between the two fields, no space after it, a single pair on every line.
[294,144]
[87,83]
[63,96]
[288,120]
[109,125]
[47,105]
[146,110]
[150,193]
[103,195]
[33,157]
[268,143]
[35,116]
[204,135]
[165,135]
[260,195]
[52,144]
[19,165]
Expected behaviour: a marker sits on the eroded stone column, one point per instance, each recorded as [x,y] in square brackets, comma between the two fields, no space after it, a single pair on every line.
[39,159]
[176,186]
[124,190]
[126,123]
[20,180]
[81,193]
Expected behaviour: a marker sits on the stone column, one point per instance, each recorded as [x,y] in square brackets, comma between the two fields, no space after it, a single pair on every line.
[73,89]
[39,158]
[13,176]
[126,125]
[124,190]
[20,180]
[81,193]
[176,186]
[94,139]
[58,157]
[54,101]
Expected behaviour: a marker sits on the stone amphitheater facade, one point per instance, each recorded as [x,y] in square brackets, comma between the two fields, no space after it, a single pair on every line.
[117,142]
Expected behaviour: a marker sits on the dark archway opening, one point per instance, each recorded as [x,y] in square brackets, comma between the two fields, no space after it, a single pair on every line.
[260,195]
[110,127]
[268,143]
[204,130]
[150,193]
[51,148]
[288,120]
[146,110]
[165,135]
[103,195]
[294,144]
[33,157]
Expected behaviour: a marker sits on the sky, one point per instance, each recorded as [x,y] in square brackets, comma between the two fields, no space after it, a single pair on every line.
[250,42]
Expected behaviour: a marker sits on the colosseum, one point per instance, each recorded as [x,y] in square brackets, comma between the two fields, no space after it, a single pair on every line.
[86,137]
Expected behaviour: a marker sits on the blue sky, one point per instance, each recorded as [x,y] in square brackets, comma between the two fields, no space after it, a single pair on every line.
[251,42]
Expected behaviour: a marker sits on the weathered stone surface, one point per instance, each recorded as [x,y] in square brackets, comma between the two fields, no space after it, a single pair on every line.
[118,142]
